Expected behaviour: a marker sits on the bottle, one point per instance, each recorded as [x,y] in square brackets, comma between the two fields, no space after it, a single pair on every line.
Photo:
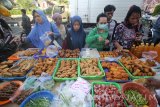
[146,47]
[133,49]
[157,48]
[152,48]
[141,49]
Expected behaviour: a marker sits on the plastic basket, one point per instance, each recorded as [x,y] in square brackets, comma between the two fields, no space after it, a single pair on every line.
[131,76]
[36,64]
[142,90]
[93,77]
[57,67]
[47,94]
[105,83]
[119,81]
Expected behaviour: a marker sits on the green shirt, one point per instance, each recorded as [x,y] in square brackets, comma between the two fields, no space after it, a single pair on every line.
[92,39]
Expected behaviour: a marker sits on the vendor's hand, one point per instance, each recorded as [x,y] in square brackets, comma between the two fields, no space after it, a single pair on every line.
[107,42]
[100,39]
[151,82]
[50,33]
[120,48]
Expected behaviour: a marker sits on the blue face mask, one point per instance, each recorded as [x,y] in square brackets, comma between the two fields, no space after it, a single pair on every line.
[103,26]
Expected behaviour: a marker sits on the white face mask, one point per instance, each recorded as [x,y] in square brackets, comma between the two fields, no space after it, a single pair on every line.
[103,26]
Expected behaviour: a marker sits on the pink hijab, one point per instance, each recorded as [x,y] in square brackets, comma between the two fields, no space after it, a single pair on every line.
[55,16]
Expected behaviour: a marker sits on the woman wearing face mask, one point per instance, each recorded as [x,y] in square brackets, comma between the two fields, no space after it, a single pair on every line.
[75,36]
[97,38]
[42,26]
[129,32]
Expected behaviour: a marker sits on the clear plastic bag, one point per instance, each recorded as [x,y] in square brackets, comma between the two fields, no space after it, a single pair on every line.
[89,53]
[150,55]
[71,96]
[52,51]
[45,39]
[44,82]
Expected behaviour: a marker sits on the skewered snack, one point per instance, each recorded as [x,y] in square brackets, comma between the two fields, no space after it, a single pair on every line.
[44,65]
[69,53]
[67,69]
[89,67]
[116,72]
[8,91]
[24,94]
[137,67]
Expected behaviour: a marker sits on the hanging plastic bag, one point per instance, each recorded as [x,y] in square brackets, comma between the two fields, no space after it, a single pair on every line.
[45,39]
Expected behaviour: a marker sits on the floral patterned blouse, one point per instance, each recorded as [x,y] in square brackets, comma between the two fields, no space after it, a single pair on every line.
[124,36]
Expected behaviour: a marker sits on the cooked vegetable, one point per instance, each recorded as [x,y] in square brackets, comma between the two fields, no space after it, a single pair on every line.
[40,102]
[136,98]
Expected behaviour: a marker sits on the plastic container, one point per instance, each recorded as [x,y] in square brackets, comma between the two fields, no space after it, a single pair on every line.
[94,77]
[15,94]
[89,53]
[142,90]
[40,94]
[118,81]
[57,67]
[131,76]
[105,83]
[39,54]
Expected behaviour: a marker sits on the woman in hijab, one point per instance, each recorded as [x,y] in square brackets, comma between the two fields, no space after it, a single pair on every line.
[75,36]
[58,21]
[129,32]
[41,26]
